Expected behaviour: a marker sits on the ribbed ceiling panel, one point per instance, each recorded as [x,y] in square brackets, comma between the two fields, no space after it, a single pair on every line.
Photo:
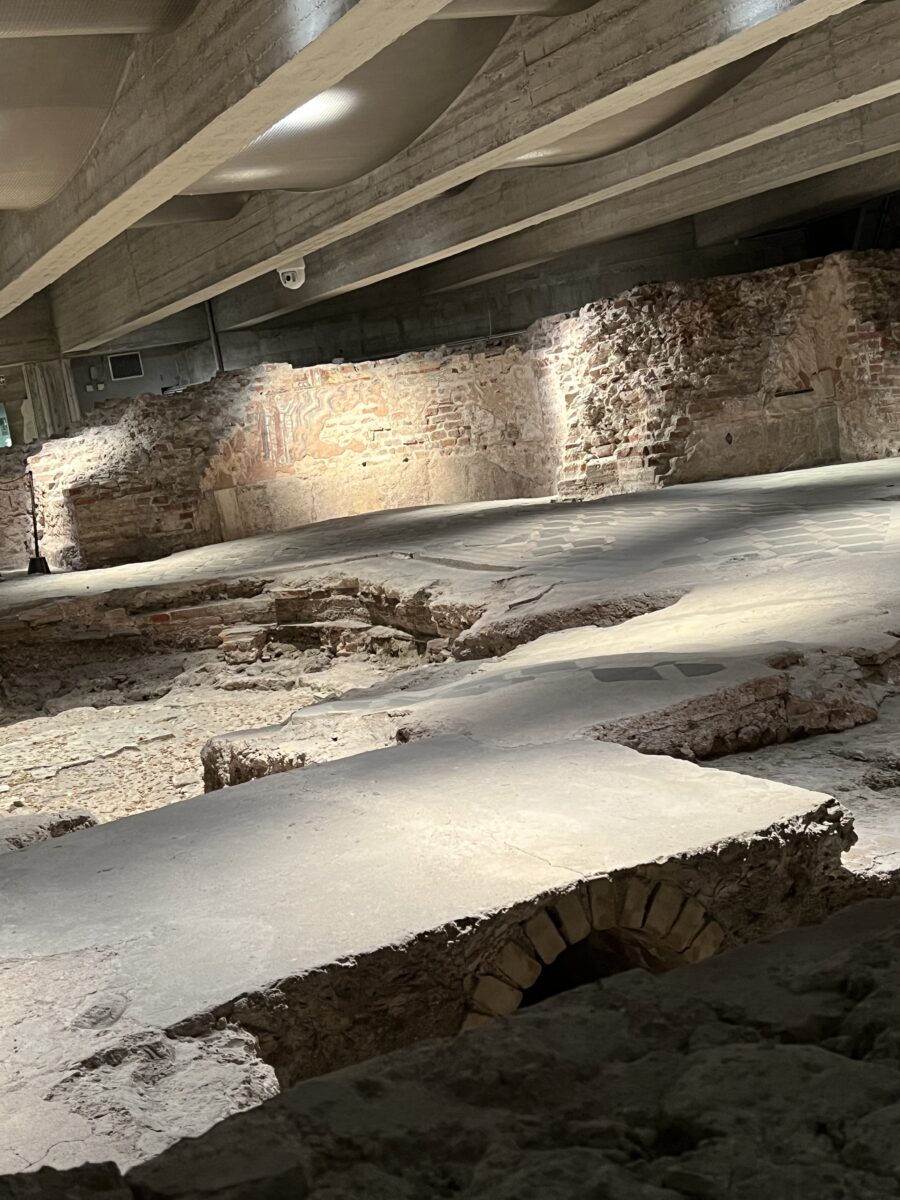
[645,120]
[511,8]
[63,18]
[61,63]
[374,114]
[55,94]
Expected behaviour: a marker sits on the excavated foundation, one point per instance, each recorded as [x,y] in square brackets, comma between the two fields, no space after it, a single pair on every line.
[436,793]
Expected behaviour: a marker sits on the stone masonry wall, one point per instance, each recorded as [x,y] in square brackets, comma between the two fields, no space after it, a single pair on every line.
[15,513]
[272,447]
[797,366]
[669,383]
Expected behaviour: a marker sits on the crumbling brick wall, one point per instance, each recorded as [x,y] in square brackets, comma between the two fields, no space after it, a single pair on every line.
[126,488]
[273,447]
[792,367]
[15,511]
[867,383]
[668,383]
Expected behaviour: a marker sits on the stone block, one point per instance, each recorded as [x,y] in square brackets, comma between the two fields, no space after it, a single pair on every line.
[634,904]
[603,903]
[690,921]
[707,943]
[545,937]
[572,916]
[476,1021]
[494,997]
[518,967]
[664,910]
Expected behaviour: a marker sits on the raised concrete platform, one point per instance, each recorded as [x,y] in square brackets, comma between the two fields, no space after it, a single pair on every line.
[342,911]
[726,669]
[770,1071]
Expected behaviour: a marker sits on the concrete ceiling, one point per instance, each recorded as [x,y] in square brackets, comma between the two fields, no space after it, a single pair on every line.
[372,115]
[62,63]
[72,18]
[61,67]
[158,153]
[644,120]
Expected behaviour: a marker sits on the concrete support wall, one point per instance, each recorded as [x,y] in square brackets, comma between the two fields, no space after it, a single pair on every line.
[165,369]
[791,367]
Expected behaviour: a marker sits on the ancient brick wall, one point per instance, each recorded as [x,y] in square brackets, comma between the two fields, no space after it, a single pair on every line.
[867,381]
[674,383]
[793,367]
[272,447]
[127,488]
[668,383]
[15,508]
[339,440]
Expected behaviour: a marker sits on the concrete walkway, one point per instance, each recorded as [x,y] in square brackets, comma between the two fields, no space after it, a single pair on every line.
[695,533]
[357,902]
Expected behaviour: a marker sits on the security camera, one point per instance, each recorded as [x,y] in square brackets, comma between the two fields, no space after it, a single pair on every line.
[293,278]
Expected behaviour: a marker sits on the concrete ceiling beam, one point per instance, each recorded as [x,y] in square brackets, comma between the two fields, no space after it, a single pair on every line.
[183,328]
[509,256]
[781,207]
[401,322]
[546,81]
[856,137]
[189,102]
[65,18]
[853,138]
[826,71]
[28,334]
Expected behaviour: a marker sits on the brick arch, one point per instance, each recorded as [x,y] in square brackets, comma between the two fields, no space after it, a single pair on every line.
[657,926]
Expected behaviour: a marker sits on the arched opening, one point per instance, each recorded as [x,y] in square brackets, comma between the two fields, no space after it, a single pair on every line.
[598,956]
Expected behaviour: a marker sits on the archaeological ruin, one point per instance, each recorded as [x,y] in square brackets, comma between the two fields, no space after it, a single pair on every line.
[449,599]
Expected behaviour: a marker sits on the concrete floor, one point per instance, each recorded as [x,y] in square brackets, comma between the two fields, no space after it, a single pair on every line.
[734,528]
[147,964]
[114,938]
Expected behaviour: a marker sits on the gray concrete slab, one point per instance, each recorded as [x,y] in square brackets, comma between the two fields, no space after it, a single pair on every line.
[304,869]
[504,552]
[113,939]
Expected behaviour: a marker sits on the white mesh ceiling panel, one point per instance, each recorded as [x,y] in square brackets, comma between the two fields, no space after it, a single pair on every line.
[61,64]
[44,18]
[375,113]
[55,94]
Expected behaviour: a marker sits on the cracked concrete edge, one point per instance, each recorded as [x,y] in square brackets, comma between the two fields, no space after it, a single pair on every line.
[766,1031]
[22,828]
[799,696]
[749,887]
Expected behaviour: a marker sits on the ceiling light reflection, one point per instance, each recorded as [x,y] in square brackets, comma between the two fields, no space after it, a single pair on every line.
[535,155]
[327,109]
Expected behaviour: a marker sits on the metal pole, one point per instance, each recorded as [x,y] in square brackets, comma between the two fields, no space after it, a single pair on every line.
[37,549]
[214,338]
[37,565]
